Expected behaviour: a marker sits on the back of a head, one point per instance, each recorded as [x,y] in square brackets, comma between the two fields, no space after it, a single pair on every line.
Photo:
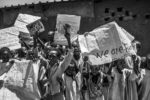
[5,50]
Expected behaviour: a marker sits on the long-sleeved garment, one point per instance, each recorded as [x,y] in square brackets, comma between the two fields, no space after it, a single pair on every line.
[73,82]
[15,80]
[116,90]
[144,91]
[71,87]
[130,86]
[133,72]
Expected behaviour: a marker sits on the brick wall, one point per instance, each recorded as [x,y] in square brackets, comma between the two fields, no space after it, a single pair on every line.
[134,17]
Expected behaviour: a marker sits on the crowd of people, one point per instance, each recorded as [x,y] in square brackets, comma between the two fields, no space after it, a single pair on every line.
[64,74]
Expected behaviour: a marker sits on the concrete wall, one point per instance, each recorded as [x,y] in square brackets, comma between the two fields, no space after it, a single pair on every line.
[93,15]
[139,26]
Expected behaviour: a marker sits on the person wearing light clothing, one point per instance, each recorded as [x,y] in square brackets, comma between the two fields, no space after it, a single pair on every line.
[57,68]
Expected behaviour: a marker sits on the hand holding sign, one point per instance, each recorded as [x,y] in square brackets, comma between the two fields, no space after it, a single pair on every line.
[67,33]
[66,28]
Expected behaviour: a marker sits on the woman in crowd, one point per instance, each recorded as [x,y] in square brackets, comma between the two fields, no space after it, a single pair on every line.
[144,89]
[116,91]
[131,73]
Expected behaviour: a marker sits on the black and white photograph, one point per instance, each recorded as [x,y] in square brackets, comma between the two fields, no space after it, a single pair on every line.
[74,49]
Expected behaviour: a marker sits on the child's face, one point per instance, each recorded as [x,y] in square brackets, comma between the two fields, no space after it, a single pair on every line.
[94,69]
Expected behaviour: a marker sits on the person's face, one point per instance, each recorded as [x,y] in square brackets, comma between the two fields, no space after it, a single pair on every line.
[106,68]
[148,62]
[94,69]
[121,64]
[85,58]
[138,46]
[76,54]
[53,57]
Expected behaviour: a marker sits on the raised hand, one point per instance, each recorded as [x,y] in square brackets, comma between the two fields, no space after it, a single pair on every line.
[67,34]
[67,28]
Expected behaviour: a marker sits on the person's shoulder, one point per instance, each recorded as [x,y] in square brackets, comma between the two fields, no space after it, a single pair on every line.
[139,57]
[15,60]
[128,57]
[80,61]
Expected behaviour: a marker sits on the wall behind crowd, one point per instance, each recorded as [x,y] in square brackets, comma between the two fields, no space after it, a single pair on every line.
[132,15]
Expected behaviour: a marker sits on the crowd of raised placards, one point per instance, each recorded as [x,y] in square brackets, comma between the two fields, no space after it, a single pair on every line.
[48,71]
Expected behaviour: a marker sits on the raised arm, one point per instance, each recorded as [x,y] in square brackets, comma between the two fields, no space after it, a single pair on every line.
[65,63]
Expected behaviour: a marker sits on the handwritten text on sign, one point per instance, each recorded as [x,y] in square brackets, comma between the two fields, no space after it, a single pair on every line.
[105,44]
[100,57]
[114,51]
